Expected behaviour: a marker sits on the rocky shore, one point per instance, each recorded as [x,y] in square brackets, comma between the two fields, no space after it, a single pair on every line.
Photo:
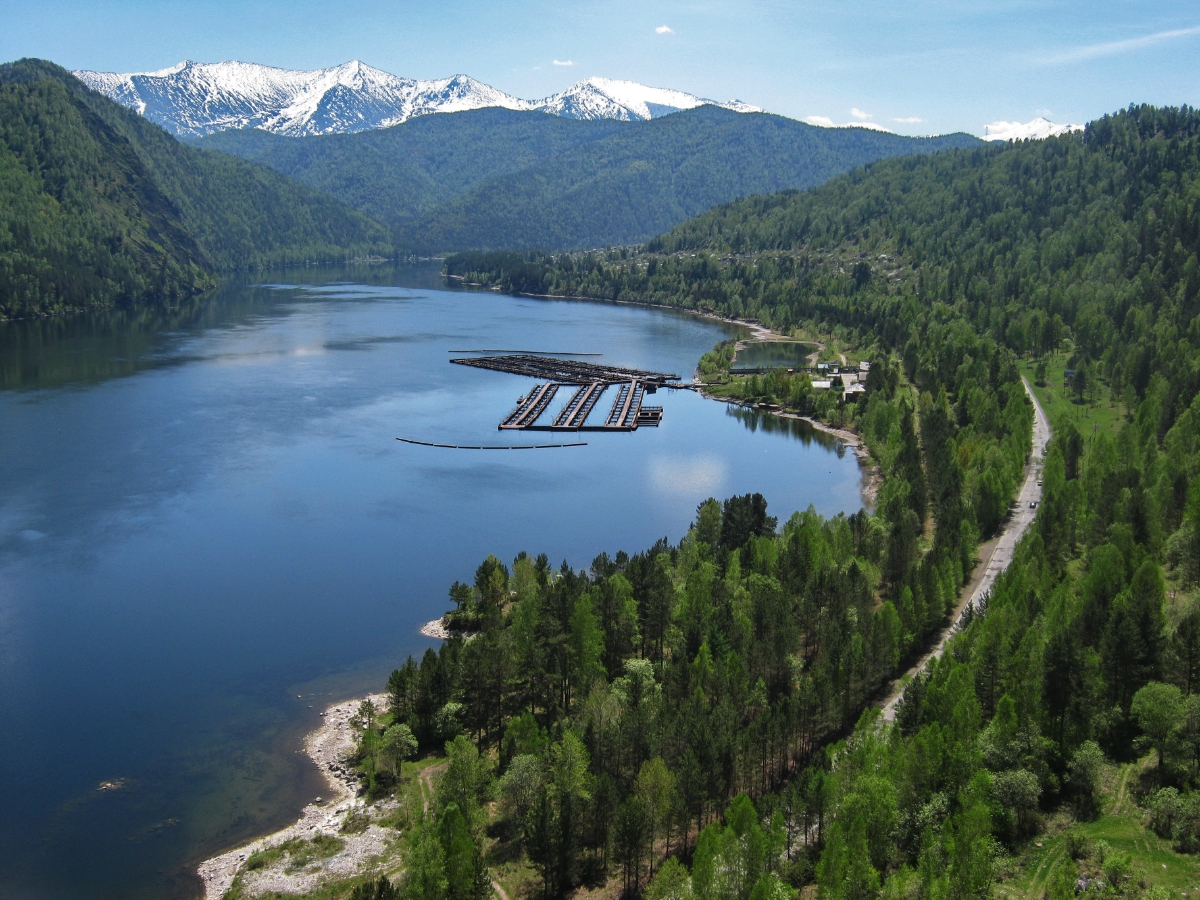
[436,629]
[328,747]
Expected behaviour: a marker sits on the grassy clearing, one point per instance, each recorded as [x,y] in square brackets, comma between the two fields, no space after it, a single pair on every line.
[516,876]
[1120,829]
[1104,414]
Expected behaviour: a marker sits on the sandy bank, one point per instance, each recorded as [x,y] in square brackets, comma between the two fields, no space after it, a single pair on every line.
[328,747]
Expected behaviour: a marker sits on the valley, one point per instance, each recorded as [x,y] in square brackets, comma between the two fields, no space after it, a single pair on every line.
[891,591]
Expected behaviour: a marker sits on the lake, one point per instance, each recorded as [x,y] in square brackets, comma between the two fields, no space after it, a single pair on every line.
[209,532]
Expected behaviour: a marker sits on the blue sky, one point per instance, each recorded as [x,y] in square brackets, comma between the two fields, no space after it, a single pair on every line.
[951,64]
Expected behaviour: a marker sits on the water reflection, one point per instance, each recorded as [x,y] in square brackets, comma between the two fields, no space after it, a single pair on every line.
[203,508]
[94,346]
[773,354]
[768,423]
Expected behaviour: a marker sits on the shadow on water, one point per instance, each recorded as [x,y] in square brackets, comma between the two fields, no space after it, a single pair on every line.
[756,420]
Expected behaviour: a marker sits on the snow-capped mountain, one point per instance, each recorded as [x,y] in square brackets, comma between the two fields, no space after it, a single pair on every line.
[605,98]
[1016,131]
[201,98]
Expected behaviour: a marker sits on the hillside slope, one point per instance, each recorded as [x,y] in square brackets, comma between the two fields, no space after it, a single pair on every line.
[396,174]
[971,268]
[508,179]
[1096,235]
[99,206]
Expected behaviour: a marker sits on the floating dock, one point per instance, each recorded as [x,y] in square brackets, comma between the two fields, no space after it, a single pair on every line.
[590,383]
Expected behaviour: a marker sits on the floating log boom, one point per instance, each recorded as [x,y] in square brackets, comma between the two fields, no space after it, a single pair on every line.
[564,371]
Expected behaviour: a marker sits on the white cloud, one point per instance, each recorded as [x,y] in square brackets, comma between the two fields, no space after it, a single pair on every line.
[1092,51]
[909,120]
[1019,131]
[563,62]
[859,114]
[826,122]
[695,476]
[664,29]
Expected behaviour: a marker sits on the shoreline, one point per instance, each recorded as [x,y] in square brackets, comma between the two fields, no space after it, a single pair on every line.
[760,332]
[327,747]
[436,629]
[872,478]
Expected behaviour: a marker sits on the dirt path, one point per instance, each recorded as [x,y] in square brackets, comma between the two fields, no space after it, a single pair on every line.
[994,556]
[426,779]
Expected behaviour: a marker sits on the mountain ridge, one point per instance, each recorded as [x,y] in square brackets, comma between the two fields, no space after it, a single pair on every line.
[193,99]
[506,179]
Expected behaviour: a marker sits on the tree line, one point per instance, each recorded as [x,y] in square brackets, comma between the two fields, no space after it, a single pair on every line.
[675,704]
[1086,651]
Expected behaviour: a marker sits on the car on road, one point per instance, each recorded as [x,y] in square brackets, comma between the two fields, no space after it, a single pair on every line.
[1033,504]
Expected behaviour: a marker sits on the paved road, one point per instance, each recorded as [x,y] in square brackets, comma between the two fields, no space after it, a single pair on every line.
[1000,555]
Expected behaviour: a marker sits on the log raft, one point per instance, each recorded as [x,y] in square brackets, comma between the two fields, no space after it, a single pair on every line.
[591,381]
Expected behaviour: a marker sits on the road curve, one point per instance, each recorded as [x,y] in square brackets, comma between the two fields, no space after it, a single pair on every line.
[997,560]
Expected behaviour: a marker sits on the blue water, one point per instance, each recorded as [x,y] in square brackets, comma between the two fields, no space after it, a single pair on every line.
[208,532]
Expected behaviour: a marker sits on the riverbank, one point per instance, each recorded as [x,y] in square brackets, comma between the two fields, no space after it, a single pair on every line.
[326,817]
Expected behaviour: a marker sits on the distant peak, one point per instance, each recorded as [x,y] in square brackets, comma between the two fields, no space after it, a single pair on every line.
[194,98]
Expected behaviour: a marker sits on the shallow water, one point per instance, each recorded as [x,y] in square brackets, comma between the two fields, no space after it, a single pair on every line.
[204,514]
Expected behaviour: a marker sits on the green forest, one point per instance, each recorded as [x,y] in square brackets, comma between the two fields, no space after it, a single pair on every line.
[696,720]
[100,207]
[496,179]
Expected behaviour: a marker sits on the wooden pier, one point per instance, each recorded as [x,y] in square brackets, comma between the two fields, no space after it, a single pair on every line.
[575,413]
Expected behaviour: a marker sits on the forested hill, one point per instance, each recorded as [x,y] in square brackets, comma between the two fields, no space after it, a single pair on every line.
[1058,736]
[1095,235]
[397,174]
[99,206]
[504,179]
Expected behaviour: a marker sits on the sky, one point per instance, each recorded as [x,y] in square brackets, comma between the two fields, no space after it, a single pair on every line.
[914,66]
